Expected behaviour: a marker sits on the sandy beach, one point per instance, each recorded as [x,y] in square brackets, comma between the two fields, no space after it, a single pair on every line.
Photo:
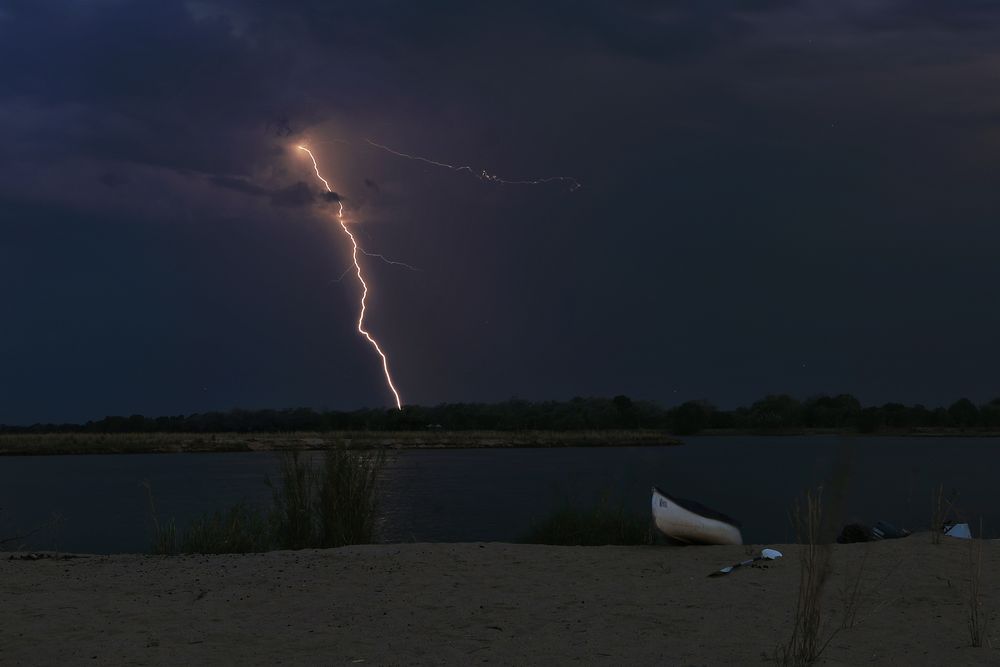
[487,603]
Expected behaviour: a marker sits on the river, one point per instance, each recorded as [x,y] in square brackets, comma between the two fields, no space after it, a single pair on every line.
[99,504]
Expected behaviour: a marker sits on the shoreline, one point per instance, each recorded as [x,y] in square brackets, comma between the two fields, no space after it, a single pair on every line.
[502,603]
[50,444]
[851,433]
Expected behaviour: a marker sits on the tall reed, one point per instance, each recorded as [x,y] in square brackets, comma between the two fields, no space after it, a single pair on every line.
[937,514]
[805,645]
[977,619]
[164,542]
[601,524]
[292,515]
[240,529]
[329,503]
[346,501]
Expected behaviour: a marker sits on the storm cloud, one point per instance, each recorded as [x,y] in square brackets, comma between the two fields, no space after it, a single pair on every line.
[778,195]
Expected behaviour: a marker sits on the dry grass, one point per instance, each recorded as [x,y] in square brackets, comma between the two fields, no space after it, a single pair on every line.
[145,443]
[347,501]
[815,524]
[15,540]
[937,514]
[324,502]
[331,504]
[942,510]
[858,591]
[601,524]
[164,540]
[293,500]
[805,644]
[977,618]
[240,529]
[852,595]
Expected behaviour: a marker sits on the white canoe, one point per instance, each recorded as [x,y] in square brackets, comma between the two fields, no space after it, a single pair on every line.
[689,522]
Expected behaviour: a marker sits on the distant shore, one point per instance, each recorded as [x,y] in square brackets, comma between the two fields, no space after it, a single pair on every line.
[854,433]
[21,444]
[152,443]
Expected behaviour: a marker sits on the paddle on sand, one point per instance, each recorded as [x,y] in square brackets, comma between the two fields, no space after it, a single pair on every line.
[765,554]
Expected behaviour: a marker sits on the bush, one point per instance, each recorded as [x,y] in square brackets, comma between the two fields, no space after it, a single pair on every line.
[292,513]
[241,529]
[164,538]
[347,503]
[333,504]
[595,526]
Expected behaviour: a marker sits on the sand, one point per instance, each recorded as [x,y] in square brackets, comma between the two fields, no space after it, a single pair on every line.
[487,603]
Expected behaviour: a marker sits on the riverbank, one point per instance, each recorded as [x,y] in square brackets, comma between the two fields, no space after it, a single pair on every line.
[150,443]
[21,444]
[855,433]
[501,603]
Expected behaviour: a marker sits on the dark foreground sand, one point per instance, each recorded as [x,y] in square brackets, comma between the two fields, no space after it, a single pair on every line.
[476,603]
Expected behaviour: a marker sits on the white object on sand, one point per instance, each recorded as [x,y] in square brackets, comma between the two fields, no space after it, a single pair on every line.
[693,523]
[765,554]
[959,530]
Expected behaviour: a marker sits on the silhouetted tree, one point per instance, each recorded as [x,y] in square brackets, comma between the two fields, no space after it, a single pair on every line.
[870,420]
[691,417]
[831,411]
[989,414]
[775,412]
[626,412]
[964,413]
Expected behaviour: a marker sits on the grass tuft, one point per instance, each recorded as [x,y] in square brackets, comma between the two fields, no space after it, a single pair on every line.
[346,499]
[164,542]
[595,526]
[942,510]
[977,619]
[805,645]
[331,504]
[240,529]
[292,513]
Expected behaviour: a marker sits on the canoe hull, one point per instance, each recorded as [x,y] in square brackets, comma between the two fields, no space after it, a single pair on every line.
[684,525]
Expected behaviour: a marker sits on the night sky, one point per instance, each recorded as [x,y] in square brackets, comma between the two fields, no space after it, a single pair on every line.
[777,196]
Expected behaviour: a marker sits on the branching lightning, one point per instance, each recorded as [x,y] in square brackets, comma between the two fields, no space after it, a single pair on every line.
[361,279]
[342,275]
[390,262]
[481,174]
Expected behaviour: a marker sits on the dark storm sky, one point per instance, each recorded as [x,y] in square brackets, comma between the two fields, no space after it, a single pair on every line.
[777,196]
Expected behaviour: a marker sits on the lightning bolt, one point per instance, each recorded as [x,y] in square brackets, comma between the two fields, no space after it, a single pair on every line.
[481,174]
[361,279]
[390,262]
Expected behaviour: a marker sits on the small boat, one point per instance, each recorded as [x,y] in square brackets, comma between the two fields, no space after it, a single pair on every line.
[692,523]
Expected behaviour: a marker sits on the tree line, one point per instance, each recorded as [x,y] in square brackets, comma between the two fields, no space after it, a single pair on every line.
[774,413]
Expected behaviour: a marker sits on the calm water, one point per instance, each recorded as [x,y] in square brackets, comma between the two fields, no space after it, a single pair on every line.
[100,505]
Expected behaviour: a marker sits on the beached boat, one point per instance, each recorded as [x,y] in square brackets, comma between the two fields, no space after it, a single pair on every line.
[693,523]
